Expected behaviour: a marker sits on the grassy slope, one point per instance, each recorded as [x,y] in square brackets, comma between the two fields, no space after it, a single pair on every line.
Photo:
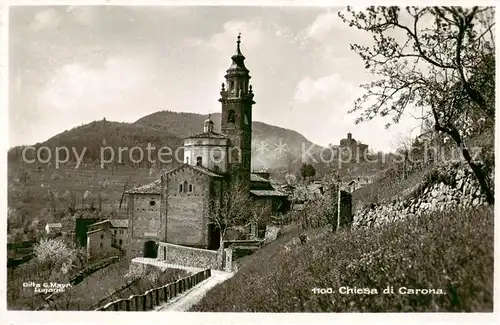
[452,251]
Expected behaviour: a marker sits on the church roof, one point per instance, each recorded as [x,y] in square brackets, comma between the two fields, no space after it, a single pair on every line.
[151,188]
[199,169]
[267,193]
[207,135]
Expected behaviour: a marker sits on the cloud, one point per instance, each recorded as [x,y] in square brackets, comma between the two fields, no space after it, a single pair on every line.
[320,110]
[82,14]
[46,19]
[78,86]
[252,36]
[321,28]
[326,87]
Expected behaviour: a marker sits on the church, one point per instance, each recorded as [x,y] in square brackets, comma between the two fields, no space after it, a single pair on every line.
[176,208]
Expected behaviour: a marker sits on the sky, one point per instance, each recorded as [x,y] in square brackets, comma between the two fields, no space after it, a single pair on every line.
[70,65]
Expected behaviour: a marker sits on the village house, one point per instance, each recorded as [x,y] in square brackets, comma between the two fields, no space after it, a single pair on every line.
[357,183]
[177,208]
[53,228]
[107,236]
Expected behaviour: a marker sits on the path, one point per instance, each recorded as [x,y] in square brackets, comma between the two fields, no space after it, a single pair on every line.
[186,300]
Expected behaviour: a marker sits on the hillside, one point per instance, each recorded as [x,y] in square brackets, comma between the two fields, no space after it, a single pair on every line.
[273,146]
[99,134]
[434,246]
[451,251]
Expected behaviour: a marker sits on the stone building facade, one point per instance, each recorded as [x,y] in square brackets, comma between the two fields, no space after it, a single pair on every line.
[350,147]
[176,208]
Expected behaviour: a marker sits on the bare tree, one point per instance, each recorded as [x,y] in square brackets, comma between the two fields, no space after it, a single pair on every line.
[52,197]
[233,208]
[70,199]
[123,194]
[441,59]
[404,145]
[24,177]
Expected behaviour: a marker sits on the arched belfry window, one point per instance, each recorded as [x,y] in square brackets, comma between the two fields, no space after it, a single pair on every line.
[185,186]
[230,116]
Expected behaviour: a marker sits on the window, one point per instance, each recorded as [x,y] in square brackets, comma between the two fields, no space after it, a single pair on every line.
[114,231]
[198,161]
[187,160]
[102,236]
[185,186]
[152,203]
[216,168]
[100,245]
[121,242]
[190,188]
[230,116]
[180,188]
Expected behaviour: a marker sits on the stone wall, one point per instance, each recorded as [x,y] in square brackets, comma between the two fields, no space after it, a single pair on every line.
[188,256]
[444,188]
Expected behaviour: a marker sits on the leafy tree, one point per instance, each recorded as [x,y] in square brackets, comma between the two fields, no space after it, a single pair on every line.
[441,59]
[307,170]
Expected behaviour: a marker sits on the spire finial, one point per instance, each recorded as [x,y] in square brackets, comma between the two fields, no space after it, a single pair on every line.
[238,51]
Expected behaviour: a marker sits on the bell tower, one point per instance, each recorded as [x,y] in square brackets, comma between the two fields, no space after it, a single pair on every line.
[236,120]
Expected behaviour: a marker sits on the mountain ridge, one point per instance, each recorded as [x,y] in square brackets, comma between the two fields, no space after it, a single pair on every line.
[272,146]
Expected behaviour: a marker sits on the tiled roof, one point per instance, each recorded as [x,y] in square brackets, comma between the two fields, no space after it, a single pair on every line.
[307,192]
[115,223]
[119,223]
[267,193]
[151,188]
[99,223]
[257,178]
[54,225]
[207,135]
[97,230]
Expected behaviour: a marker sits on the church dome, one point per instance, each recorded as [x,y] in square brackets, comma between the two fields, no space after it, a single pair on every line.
[208,125]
